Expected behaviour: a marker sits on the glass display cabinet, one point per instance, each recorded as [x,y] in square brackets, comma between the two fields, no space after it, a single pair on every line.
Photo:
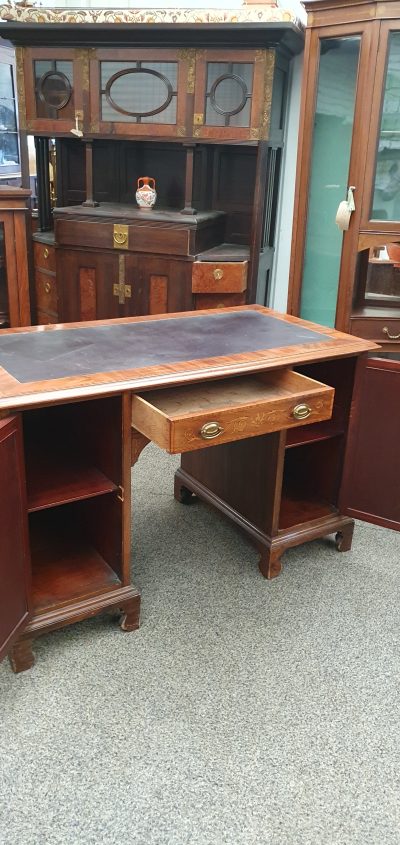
[350,136]
[10,166]
[350,278]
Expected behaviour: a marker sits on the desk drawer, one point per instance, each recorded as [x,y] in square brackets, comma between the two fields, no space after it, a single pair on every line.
[182,419]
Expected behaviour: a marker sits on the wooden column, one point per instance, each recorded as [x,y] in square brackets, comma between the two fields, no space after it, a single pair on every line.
[89,201]
[188,209]
[43,184]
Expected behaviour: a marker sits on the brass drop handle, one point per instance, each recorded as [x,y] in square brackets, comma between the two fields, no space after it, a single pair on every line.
[46,252]
[390,336]
[210,430]
[218,274]
[47,287]
[301,412]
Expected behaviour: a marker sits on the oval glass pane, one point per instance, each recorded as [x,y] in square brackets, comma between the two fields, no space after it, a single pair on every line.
[139,92]
[229,95]
[54,89]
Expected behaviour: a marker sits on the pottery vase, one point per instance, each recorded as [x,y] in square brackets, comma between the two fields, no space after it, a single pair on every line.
[393,251]
[146,194]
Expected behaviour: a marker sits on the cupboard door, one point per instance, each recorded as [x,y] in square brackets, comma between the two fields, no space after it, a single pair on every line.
[156,285]
[53,89]
[140,92]
[381,198]
[86,284]
[233,94]
[14,550]
[370,488]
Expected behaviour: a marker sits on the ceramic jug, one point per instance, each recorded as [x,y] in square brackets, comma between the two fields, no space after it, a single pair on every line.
[146,192]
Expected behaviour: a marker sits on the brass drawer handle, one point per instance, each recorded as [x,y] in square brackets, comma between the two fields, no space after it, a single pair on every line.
[301,412]
[218,274]
[390,336]
[47,287]
[46,252]
[210,430]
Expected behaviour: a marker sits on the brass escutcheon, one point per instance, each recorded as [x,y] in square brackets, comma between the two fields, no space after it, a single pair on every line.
[120,235]
[218,274]
[301,412]
[210,430]
[47,287]
[46,252]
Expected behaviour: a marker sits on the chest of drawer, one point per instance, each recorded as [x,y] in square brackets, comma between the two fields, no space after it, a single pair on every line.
[222,277]
[183,419]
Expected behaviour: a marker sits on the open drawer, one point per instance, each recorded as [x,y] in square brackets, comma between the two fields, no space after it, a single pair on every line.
[181,419]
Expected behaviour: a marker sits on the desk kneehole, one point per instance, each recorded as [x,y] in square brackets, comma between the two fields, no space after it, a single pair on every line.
[182,419]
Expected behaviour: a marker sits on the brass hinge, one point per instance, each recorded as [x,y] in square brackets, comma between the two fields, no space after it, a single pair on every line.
[120,289]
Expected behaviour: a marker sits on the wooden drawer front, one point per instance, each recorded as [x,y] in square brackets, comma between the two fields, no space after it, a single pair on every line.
[45,319]
[383,329]
[139,238]
[224,277]
[46,291]
[219,300]
[182,419]
[45,256]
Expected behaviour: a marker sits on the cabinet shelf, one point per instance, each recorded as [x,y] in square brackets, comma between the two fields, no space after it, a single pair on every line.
[313,434]
[296,510]
[66,567]
[52,482]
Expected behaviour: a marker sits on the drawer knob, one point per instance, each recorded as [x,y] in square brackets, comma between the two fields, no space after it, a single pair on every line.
[47,287]
[210,430]
[390,336]
[218,274]
[46,252]
[301,412]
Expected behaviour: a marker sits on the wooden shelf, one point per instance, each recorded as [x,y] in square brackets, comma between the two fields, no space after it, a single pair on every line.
[51,482]
[296,511]
[312,434]
[65,566]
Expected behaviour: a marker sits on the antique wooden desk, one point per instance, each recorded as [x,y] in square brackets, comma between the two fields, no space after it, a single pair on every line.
[257,403]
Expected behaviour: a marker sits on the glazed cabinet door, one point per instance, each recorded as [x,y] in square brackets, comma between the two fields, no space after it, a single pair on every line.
[14,549]
[140,92]
[372,467]
[233,94]
[53,82]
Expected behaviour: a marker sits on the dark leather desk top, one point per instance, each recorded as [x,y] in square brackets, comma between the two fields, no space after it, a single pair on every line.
[47,364]
[31,357]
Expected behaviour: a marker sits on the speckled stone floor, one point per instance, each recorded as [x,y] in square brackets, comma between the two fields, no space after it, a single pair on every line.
[241,712]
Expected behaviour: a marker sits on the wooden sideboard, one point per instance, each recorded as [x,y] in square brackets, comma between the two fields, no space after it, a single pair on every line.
[258,404]
[201,109]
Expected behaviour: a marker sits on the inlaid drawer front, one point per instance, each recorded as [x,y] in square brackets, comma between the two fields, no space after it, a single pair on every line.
[46,291]
[383,330]
[183,419]
[222,277]
[45,256]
